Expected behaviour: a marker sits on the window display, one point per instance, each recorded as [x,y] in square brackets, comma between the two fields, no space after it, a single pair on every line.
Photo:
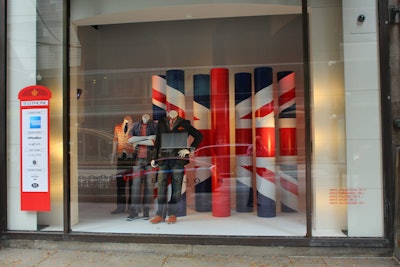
[273,104]
[229,93]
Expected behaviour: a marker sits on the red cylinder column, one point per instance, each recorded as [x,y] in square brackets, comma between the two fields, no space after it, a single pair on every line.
[219,79]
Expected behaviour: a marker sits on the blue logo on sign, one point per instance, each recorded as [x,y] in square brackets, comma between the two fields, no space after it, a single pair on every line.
[35,122]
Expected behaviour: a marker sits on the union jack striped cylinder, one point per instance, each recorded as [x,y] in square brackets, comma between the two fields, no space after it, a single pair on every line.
[265,142]
[202,122]
[244,141]
[176,91]
[159,100]
[220,180]
[176,101]
[288,176]
[159,91]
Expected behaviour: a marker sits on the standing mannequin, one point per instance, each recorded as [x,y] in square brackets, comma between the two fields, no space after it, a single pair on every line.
[143,136]
[172,160]
[122,155]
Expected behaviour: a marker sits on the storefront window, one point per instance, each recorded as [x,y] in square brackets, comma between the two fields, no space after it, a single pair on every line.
[236,161]
[237,79]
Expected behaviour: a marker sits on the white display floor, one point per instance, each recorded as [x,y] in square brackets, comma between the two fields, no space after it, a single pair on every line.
[96,218]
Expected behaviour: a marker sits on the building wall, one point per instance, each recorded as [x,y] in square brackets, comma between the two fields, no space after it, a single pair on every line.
[394,55]
[362,97]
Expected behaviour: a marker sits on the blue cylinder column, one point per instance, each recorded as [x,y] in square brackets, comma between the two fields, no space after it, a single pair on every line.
[265,142]
[176,91]
[202,122]
[176,101]
[244,141]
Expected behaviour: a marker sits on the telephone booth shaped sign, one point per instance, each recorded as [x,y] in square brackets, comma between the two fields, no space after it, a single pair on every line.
[34,148]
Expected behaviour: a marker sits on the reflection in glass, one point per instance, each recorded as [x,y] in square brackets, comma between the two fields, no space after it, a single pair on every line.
[127,75]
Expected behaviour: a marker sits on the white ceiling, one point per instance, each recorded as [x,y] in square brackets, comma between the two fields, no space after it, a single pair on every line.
[101,16]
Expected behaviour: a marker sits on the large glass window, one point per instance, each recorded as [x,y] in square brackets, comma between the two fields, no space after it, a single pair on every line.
[235,74]
[236,77]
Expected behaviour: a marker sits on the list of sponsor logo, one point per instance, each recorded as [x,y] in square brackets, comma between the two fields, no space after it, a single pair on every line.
[35,149]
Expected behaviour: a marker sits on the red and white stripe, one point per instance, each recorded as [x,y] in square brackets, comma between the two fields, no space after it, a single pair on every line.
[288,142]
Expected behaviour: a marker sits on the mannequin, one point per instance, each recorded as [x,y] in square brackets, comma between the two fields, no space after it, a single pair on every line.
[122,156]
[172,160]
[143,135]
[147,140]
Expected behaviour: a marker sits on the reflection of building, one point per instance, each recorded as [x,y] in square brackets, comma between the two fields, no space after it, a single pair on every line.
[95,146]
[96,178]
[345,105]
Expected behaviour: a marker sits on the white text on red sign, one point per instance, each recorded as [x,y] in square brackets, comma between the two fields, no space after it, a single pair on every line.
[35,103]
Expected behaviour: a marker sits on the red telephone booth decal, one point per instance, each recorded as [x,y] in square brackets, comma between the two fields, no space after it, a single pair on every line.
[34,148]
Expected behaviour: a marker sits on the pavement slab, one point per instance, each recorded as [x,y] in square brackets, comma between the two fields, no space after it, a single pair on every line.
[22,257]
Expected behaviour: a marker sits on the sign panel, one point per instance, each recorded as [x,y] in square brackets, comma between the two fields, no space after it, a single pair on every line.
[34,148]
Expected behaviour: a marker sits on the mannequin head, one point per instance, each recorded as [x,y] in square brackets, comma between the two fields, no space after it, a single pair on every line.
[145,118]
[173,114]
[127,124]
[128,119]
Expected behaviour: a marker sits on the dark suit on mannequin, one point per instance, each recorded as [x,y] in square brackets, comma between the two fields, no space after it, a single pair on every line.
[172,161]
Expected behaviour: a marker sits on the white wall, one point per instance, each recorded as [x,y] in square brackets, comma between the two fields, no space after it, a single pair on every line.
[21,73]
[363,125]
[23,62]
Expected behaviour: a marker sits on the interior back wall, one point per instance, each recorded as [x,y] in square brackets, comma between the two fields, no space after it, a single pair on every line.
[119,60]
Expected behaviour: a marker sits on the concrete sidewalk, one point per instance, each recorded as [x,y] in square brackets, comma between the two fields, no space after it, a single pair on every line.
[21,252]
[56,258]
[44,257]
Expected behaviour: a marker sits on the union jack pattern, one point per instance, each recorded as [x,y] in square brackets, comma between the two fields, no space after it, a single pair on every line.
[244,137]
[202,122]
[287,141]
[265,142]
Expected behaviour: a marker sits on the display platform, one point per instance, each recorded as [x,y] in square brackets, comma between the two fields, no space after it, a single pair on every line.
[96,218]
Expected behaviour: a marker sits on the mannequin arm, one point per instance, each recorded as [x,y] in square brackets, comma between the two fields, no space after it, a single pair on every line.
[147,142]
[136,139]
[114,153]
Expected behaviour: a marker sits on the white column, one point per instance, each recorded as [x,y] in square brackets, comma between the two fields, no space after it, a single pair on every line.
[363,124]
[21,73]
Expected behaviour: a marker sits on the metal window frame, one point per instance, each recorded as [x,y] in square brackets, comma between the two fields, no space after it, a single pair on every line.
[388,149]
[3,116]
